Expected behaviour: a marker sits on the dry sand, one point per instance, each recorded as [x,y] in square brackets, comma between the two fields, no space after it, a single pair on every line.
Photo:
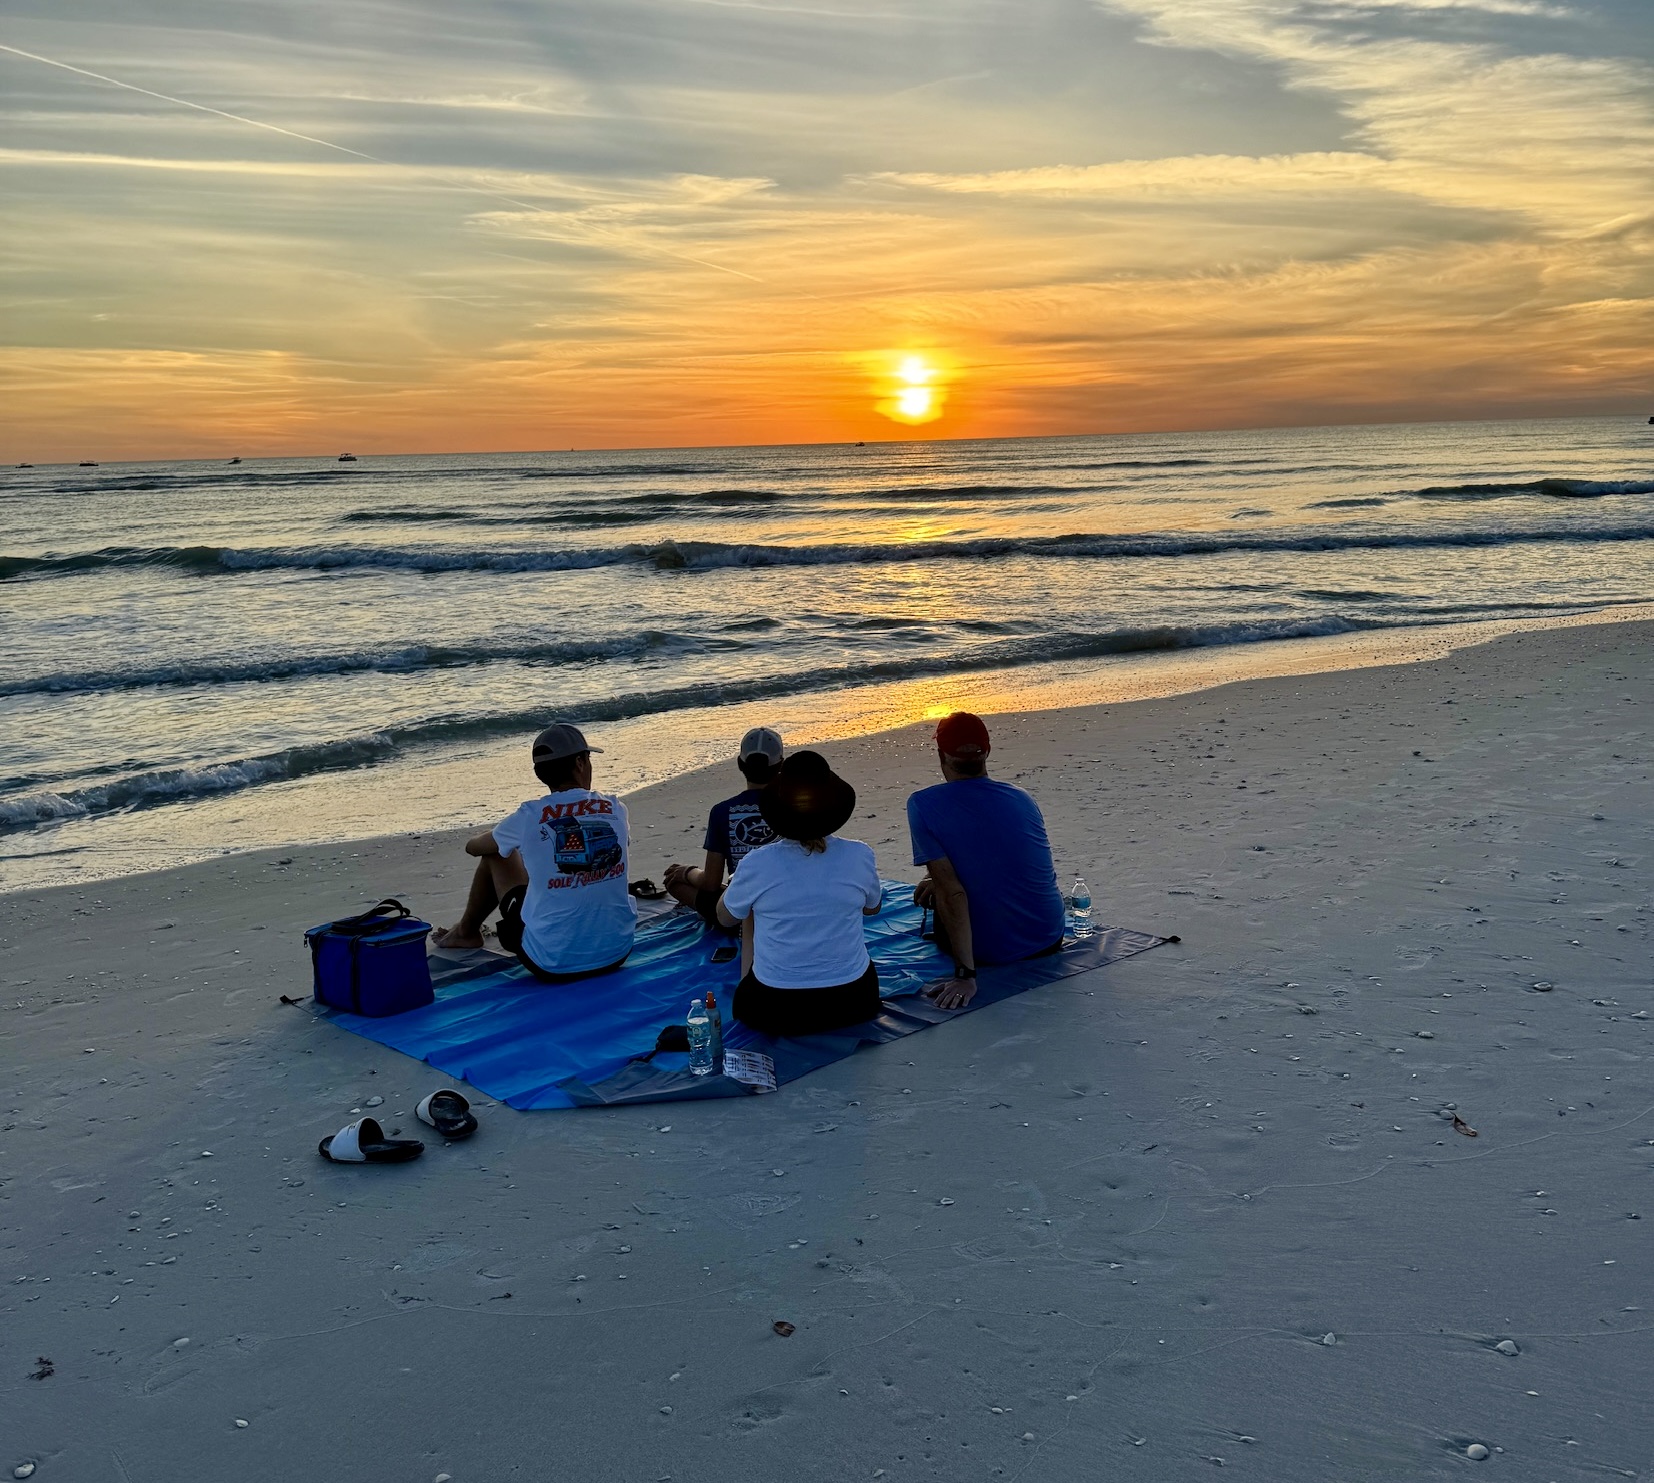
[1207,1207]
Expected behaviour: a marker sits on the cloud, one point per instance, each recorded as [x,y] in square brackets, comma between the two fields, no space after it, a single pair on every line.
[1199,176]
[1564,138]
[704,220]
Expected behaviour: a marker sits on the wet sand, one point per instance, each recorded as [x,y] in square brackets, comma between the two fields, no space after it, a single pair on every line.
[1210,1203]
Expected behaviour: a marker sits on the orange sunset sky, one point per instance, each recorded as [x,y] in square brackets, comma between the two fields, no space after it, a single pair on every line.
[410,225]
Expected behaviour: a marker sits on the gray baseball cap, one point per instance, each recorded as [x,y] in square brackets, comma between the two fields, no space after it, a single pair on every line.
[559,740]
[761,742]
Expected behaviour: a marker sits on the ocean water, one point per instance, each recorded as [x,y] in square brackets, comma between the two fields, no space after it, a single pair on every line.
[201,656]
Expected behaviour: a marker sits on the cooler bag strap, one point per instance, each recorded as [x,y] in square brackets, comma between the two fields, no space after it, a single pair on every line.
[388,910]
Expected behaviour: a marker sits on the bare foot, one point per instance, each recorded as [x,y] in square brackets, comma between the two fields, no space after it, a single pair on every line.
[453,937]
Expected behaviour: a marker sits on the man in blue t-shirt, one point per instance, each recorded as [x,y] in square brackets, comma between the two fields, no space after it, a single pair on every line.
[734,828]
[988,870]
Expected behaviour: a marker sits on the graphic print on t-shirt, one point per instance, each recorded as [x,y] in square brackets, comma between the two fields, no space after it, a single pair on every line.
[747,830]
[736,827]
[586,846]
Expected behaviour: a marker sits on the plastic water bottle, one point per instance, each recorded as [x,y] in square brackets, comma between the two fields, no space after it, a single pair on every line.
[717,1032]
[1079,908]
[699,1024]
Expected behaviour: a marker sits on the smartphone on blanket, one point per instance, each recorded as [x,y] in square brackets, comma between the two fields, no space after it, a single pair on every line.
[725,954]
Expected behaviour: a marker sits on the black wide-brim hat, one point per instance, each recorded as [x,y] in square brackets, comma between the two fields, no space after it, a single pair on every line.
[806,799]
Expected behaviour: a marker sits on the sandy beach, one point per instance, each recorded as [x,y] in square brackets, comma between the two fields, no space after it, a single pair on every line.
[1206,1208]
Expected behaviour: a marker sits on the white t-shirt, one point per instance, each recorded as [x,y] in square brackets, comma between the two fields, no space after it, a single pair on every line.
[577,914]
[807,911]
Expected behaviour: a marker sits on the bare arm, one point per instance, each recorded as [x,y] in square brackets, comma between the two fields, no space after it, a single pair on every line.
[484,845]
[953,913]
[707,877]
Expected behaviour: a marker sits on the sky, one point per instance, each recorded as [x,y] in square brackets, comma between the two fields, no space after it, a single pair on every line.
[295,226]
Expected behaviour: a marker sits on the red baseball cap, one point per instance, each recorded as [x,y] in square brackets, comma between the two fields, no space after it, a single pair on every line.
[962,735]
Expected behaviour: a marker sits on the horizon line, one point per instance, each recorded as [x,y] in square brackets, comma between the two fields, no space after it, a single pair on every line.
[10,466]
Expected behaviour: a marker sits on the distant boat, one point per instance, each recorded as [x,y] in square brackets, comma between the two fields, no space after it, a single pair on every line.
[347,458]
[235,460]
[30,465]
[88,464]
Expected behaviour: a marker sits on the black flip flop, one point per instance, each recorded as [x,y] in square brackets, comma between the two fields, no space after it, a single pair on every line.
[364,1142]
[449,1113]
[646,890]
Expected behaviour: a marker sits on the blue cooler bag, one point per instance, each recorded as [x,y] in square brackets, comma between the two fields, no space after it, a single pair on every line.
[372,964]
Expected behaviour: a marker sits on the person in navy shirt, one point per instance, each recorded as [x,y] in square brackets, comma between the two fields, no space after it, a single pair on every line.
[734,828]
[989,876]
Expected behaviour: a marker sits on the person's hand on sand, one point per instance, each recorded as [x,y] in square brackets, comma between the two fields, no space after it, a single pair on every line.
[951,993]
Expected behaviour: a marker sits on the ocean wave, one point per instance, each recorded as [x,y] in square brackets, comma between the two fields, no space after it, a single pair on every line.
[408,658]
[597,511]
[267,475]
[411,517]
[1552,488]
[180,784]
[623,471]
[672,555]
[1164,463]
[690,500]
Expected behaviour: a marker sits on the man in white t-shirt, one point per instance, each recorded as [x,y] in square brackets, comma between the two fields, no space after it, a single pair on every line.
[556,870]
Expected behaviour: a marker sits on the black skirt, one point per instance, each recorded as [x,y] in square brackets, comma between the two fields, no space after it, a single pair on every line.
[807,1011]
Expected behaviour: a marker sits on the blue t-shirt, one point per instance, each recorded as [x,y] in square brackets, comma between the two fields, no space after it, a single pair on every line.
[994,837]
[736,827]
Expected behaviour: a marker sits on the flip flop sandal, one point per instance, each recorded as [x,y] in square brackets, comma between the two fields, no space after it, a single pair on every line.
[364,1142]
[447,1112]
[646,890]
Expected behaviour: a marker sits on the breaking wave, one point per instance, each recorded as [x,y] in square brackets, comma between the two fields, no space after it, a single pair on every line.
[1553,488]
[713,555]
[404,659]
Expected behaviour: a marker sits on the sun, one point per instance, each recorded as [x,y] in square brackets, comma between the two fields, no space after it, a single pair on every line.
[917,394]
[914,403]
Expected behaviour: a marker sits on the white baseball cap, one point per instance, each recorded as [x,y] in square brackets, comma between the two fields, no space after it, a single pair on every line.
[761,742]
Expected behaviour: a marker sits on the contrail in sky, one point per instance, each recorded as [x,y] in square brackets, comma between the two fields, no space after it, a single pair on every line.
[239,118]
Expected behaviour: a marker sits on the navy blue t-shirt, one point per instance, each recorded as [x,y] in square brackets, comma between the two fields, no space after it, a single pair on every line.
[736,827]
[994,837]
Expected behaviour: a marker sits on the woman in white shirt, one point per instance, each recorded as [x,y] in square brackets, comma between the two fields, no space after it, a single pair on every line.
[806,893]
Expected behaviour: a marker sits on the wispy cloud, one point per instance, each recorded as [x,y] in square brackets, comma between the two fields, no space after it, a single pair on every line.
[1190,175]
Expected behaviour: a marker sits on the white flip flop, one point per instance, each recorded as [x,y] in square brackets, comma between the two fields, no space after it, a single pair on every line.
[364,1142]
[447,1112]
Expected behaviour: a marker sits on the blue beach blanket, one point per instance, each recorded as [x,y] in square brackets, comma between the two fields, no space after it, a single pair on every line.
[534,1045]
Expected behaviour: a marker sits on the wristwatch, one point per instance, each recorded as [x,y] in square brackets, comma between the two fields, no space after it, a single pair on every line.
[959,972]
